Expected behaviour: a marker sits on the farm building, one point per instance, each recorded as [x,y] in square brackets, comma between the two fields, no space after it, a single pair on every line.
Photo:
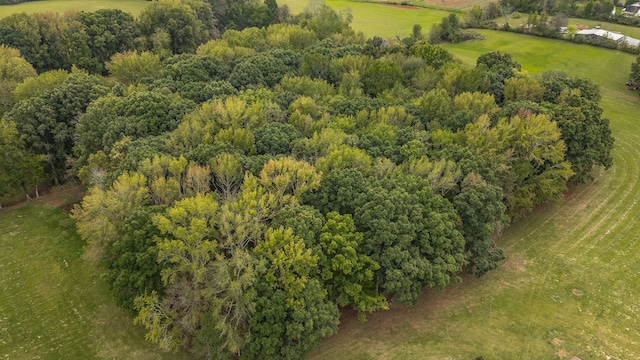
[632,10]
[606,34]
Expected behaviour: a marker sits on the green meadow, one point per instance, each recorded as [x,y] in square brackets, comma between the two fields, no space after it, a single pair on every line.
[53,302]
[131,6]
[569,287]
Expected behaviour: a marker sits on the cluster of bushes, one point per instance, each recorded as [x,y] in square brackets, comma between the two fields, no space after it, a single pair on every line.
[239,196]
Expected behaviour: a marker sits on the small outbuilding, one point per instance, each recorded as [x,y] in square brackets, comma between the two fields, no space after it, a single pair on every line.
[632,10]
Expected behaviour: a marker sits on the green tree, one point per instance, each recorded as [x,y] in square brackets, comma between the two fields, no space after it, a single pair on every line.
[482,211]
[412,234]
[132,269]
[381,75]
[348,274]
[39,85]
[20,170]
[635,71]
[434,55]
[339,190]
[48,121]
[275,138]
[178,20]
[109,31]
[132,67]
[13,70]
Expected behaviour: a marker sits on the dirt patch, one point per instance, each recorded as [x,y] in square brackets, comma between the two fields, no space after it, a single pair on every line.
[456,4]
[562,354]
[62,197]
[407,7]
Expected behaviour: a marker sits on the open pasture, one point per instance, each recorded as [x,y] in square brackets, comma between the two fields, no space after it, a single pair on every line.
[134,7]
[53,302]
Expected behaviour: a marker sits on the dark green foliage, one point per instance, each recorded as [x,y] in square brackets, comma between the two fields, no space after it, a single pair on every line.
[434,55]
[411,170]
[635,71]
[110,31]
[132,269]
[48,121]
[305,221]
[381,75]
[501,67]
[279,332]
[246,75]
[203,153]
[275,138]
[481,209]
[176,19]
[412,234]
[315,65]
[140,114]
[338,191]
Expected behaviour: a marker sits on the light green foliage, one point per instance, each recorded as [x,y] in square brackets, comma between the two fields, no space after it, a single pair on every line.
[348,274]
[102,212]
[222,50]
[305,86]
[289,36]
[39,85]
[436,104]
[190,245]
[527,88]
[318,145]
[324,21]
[289,263]
[529,153]
[227,172]
[288,180]
[13,70]
[459,78]
[131,67]
[343,157]
[243,220]
[477,103]
[442,174]
[241,139]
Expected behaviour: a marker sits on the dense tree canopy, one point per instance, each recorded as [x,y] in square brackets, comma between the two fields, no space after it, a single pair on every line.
[241,190]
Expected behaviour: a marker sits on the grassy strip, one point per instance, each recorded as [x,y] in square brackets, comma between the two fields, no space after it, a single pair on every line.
[53,303]
[133,7]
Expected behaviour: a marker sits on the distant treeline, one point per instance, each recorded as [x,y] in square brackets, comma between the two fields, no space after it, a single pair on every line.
[11,2]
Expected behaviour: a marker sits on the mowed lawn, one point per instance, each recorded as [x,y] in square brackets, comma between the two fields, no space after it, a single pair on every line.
[134,7]
[53,302]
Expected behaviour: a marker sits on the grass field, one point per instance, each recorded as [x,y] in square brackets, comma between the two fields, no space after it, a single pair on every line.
[379,19]
[133,7]
[53,303]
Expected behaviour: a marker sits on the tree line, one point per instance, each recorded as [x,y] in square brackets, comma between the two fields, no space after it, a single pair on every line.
[241,192]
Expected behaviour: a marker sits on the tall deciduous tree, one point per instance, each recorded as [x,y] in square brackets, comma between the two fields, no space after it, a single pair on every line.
[412,234]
